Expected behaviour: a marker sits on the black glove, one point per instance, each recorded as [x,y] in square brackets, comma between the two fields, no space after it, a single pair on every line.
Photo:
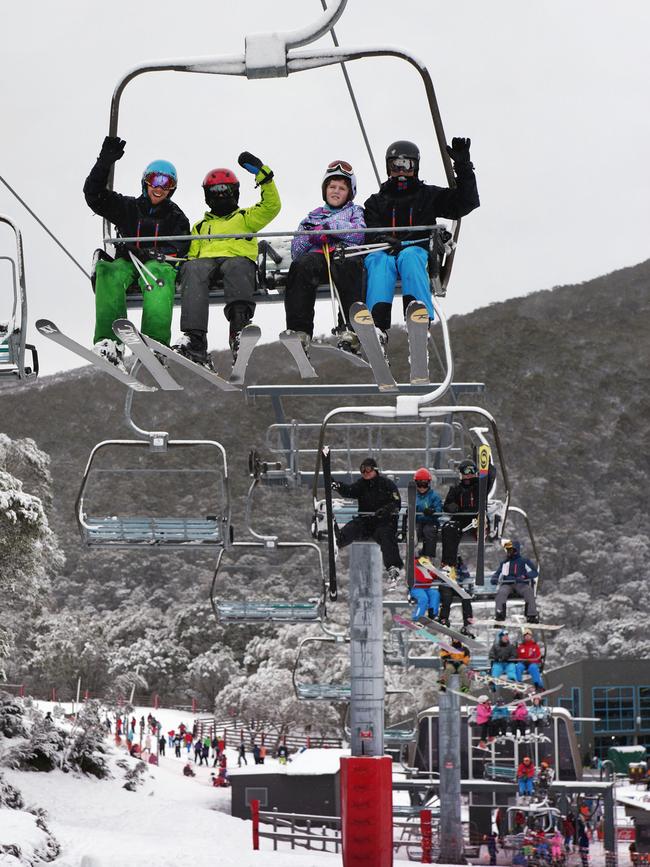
[394,244]
[247,161]
[459,149]
[336,486]
[156,255]
[428,511]
[253,165]
[451,508]
[112,149]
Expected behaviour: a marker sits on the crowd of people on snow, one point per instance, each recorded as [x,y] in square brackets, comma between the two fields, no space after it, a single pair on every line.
[402,204]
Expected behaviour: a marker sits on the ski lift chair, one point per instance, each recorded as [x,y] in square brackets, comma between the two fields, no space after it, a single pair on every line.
[13,367]
[312,691]
[183,530]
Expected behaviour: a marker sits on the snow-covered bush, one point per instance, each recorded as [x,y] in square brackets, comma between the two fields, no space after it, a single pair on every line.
[133,774]
[41,750]
[87,749]
[11,716]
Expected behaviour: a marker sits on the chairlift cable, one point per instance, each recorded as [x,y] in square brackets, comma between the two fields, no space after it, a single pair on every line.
[354,102]
[43,226]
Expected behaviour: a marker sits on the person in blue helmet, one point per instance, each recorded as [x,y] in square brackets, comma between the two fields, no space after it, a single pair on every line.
[151,214]
[402,201]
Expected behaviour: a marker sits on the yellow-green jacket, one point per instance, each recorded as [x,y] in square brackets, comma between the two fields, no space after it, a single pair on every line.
[239,222]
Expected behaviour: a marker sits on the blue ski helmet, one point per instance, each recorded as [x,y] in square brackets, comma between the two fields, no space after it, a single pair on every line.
[162,169]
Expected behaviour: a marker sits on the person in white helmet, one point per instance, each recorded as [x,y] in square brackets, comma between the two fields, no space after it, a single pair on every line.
[309,264]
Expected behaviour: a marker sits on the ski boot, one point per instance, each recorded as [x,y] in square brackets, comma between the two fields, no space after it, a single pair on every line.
[111,351]
[193,345]
[393,577]
[348,341]
[466,631]
[500,616]
[239,315]
[443,621]
[532,618]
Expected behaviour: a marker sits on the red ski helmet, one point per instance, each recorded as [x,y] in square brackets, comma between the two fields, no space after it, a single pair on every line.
[220,184]
[422,475]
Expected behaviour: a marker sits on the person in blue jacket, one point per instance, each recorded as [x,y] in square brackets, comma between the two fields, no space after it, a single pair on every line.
[428,505]
[515,574]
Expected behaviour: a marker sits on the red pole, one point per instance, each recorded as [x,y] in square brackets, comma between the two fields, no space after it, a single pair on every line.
[53,693]
[224,737]
[425,833]
[156,701]
[308,742]
[21,691]
[86,695]
[193,705]
[255,815]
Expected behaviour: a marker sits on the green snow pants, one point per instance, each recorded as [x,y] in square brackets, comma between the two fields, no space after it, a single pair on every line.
[112,279]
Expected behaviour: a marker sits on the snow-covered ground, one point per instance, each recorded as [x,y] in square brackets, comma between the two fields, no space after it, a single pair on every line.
[169,821]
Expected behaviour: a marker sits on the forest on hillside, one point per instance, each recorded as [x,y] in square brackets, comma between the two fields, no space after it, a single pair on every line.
[566,373]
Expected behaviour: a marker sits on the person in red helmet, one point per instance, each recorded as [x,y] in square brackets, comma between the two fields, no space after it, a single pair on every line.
[428,506]
[231,259]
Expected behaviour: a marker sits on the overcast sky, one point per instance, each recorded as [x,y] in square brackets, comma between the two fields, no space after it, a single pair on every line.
[553,95]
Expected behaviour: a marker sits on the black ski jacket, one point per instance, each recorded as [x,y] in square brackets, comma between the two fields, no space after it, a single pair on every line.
[421,203]
[136,217]
[464,498]
[378,494]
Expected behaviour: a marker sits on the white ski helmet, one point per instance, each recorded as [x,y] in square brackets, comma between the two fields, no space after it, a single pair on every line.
[483,698]
[340,169]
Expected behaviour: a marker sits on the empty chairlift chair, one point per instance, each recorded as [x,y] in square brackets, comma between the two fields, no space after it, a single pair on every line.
[310,689]
[143,502]
[13,317]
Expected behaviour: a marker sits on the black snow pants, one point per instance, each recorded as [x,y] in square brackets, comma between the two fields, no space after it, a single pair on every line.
[381,531]
[196,277]
[306,274]
[452,533]
[447,596]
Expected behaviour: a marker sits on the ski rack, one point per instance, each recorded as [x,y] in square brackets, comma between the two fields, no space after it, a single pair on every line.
[320,691]
[12,335]
[240,611]
[128,531]
[275,55]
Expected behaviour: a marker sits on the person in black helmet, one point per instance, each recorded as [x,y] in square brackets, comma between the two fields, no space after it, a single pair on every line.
[405,200]
[461,504]
[379,505]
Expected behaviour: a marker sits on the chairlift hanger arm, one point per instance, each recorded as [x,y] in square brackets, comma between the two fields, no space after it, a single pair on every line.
[20,290]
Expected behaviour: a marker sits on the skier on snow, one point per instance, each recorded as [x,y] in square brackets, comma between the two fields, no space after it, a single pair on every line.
[404,200]
[148,215]
[379,505]
[309,267]
[515,574]
[231,259]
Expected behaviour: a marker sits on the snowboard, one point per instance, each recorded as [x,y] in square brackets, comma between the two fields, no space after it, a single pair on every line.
[293,343]
[484,456]
[470,643]
[417,325]
[364,327]
[48,329]
[247,342]
[206,374]
[131,337]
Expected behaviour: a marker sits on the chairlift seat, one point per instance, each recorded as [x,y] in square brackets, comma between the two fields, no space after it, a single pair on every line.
[119,531]
[273,612]
[324,691]
[507,773]
[399,736]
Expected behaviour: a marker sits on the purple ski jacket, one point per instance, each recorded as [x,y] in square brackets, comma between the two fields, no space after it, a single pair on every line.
[350,216]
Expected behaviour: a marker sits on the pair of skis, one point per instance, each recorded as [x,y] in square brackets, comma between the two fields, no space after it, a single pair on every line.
[144,349]
[417,321]
[427,566]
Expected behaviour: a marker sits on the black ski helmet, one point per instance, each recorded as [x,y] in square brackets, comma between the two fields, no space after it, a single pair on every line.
[368,462]
[403,149]
[467,468]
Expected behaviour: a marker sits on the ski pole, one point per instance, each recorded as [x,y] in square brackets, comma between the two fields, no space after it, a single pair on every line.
[334,292]
[145,273]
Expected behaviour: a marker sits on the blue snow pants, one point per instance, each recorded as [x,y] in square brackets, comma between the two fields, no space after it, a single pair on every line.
[533,671]
[426,597]
[525,786]
[507,668]
[410,265]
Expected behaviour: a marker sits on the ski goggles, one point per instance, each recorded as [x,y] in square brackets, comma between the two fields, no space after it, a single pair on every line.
[422,484]
[403,164]
[340,166]
[157,179]
[469,471]
[221,189]
[365,468]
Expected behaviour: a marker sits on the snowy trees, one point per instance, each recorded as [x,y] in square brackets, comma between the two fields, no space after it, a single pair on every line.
[29,551]
[211,671]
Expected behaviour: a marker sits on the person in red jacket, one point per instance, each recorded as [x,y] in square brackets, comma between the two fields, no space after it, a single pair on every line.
[529,658]
[525,776]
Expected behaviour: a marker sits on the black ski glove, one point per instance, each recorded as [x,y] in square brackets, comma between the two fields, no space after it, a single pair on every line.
[394,244]
[112,149]
[336,486]
[451,508]
[428,511]
[153,254]
[459,150]
[253,165]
